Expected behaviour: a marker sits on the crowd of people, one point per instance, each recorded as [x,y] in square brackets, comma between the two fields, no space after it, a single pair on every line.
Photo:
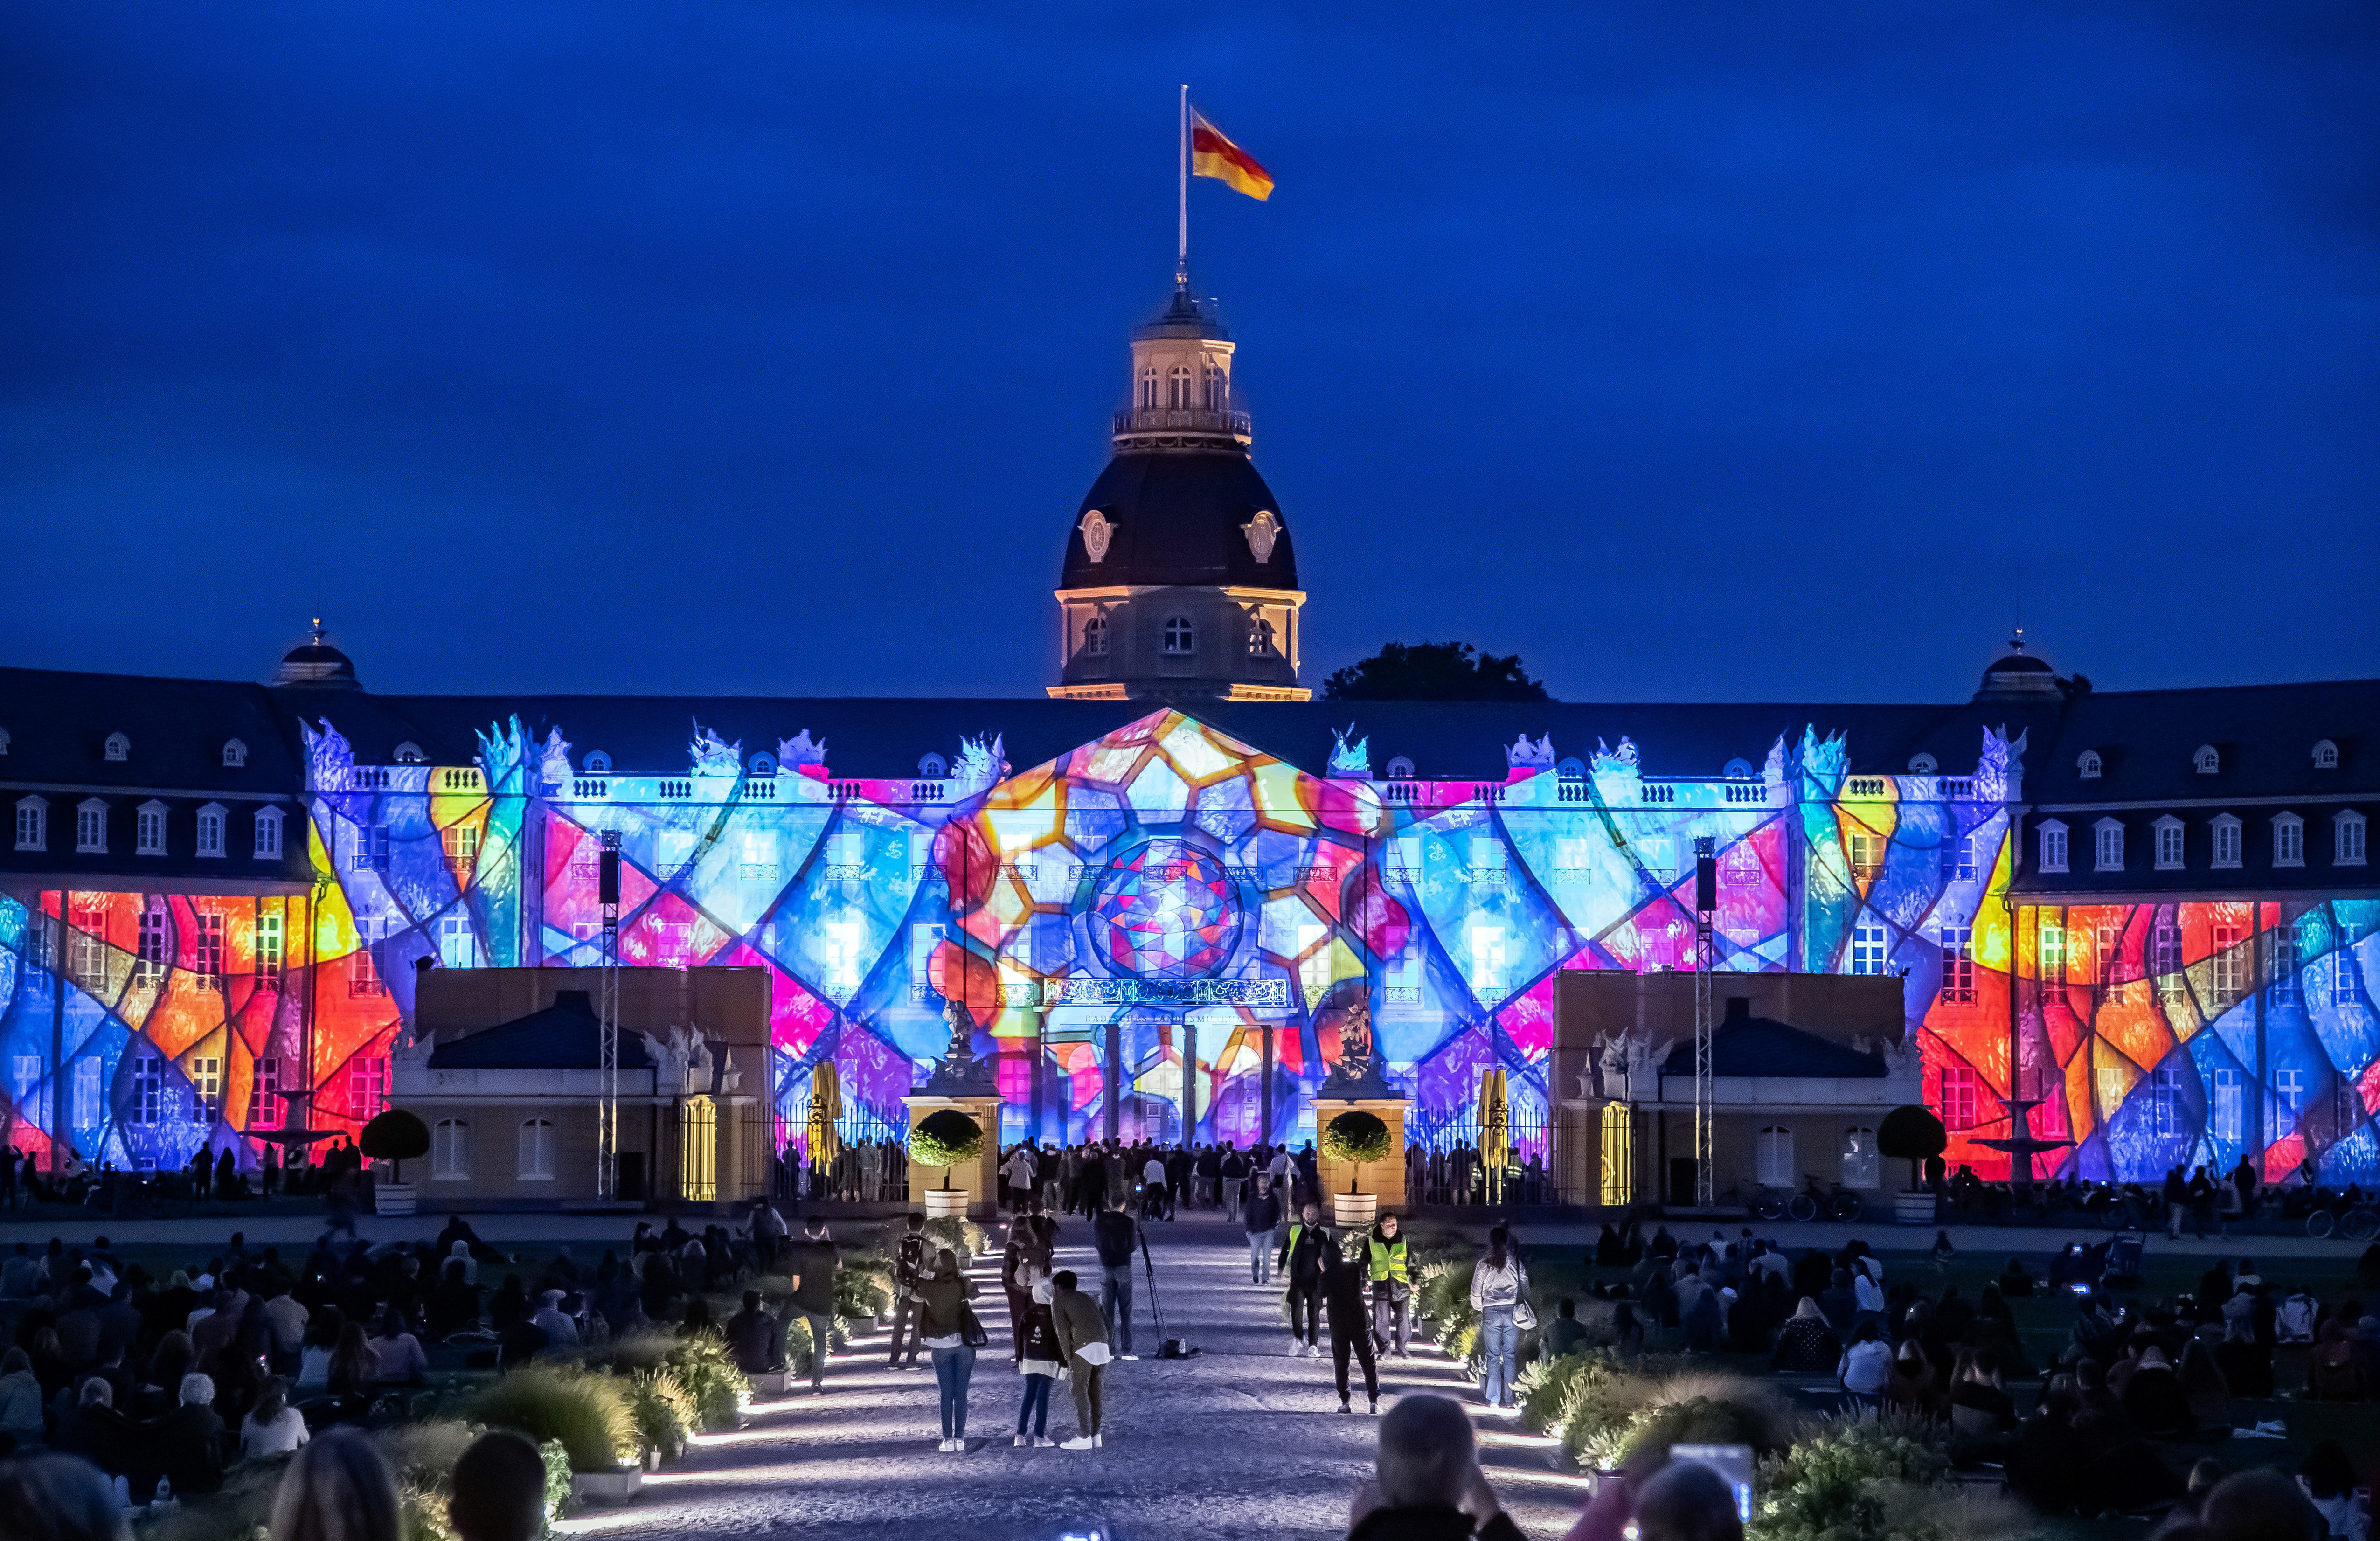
[213,1173]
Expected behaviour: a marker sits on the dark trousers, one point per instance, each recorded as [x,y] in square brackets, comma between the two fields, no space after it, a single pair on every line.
[1357,1338]
[905,1320]
[1305,1294]
[1115,1304]
[821,1330]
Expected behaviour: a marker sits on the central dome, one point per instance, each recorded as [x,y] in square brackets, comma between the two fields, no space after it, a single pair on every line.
[1169,518]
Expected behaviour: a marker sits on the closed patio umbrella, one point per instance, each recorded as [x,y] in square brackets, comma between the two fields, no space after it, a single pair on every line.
[826,1110]
[1495,1131]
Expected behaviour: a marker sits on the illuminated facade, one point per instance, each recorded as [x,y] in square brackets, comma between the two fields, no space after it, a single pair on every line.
[1158,917]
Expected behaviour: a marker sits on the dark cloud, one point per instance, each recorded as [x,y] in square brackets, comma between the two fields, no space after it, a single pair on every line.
[1724,350]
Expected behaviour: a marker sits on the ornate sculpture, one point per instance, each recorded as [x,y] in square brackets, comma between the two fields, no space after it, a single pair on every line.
[1355,1042]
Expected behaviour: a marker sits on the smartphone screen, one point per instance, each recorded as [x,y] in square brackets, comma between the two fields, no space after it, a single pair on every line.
[1732,1462]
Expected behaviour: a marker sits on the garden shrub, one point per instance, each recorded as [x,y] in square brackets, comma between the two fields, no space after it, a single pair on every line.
[717,1389]
[588,1411]
[1848,1481]
[1356,1136]
[961,1235]
[557,1480]
[665,1415]
[944,1139]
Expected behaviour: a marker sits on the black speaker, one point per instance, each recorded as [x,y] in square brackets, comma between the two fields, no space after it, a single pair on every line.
[1706,885]
[607,878]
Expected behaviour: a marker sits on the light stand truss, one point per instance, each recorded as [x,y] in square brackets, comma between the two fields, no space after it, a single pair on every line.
[607,1112]
[1706,958]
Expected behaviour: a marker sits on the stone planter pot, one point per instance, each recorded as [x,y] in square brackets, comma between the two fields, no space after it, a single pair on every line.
[1912,1208]
[946,1203]
[611,1487]
[393,1198]
[1354,1211]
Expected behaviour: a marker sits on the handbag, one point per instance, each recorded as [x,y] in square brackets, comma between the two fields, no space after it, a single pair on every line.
[1524,1316]
[971,1331]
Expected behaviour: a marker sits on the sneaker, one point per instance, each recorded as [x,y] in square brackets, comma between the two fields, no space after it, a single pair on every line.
[944,1446]
[1375,1407]
[1128,1357]
[1344,1407]
[1099,1441]
[1297,1349]
[1079,1442]
[1044,1442]
[1022,1439]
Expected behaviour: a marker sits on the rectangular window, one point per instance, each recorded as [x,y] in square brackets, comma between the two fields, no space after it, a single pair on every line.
[364,964]
[210,831]
[1964,871]
[674,848]
[265,1100]
[2227,843]
[91,829]
[1488,862]
[2111,847]
[2053,848]
[1867,950]
[2226,968]
[268,835]
[537,1151]
[207,948]
[148,1104]
[457,946]
[2112,1086]
[2283,941]
[149,961]
[1859,1157]
[1773,1158]
[2224,1114]
[2166,960]
[1487,960]
[206,1088]
[923,940]
[2167,1110]
[1868,853]
[87,1103]
[2168,847]
[1958,965]
[32,825]
[2049,947]
[2288,842]
[367,1088]
[1958,1097]
[372,848]
[698,1152]
[1406,978]
[149,832]
[462,843]
[2108,958]
[450,1151]
[268,950]
[2349,852]
[2343,990]
[90,950]
[2288,1089]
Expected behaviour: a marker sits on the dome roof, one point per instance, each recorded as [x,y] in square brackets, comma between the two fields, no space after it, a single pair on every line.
[2018,672]
[1170,517]
[315,663]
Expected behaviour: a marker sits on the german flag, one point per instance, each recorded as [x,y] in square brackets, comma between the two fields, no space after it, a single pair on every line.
[1213,155]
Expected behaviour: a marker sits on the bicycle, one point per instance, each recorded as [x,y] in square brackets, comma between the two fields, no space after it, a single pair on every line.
[2345,1216]
[1836,1201]
[1757,1198]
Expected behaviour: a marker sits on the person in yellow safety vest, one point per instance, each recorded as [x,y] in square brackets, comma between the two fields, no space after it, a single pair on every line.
[1392,1286]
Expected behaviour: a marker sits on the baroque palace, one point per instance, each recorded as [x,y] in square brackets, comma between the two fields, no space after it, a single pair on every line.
[1158,894]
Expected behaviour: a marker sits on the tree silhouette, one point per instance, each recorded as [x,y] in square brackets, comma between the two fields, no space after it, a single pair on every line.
[1434,671]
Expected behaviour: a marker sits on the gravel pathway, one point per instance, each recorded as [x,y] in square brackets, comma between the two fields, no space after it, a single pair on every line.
[1241,1440]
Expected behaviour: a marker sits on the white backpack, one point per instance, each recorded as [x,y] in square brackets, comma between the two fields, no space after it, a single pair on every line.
[2295,1323]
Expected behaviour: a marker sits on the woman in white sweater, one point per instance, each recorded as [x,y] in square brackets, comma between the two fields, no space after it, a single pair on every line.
[1500,1287]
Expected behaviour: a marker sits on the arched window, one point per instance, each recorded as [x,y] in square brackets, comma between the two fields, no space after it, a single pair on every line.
[1919,765]
[450,1151]
[1180,636]
[118,747]
[1261,638]
[2089,765]
[1400,768]
[1859,1157]
[1178,387]
[764,764]
[2207,760]
[235,753]
[2325,755]
[536,1151]
[409,753]
[1148,387]
[598,764]
[1219,389]
[933,765]
[1095,637]
[1772,1156]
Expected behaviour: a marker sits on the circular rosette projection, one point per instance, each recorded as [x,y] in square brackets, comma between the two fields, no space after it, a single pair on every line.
[1166,911]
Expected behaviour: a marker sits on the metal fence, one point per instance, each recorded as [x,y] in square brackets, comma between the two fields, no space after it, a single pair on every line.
[1446,1168]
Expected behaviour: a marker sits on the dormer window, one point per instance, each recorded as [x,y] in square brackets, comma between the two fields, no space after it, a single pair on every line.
[2089,766]
[3,740]
[1095,637]
[1919,765]
[118,747]
[1180,638]
[933,767]
[2206,761]
[2108,845]
[2325,754]
[268,835]
[1400,768]
[32,824]
[2053,845]
[598,764]
[2169,844]
[235,754]
[2289,840]
[1261,638]
[1737,770]
[764,764]
[149,829]
[210,829]
[2226,841]
[409,753]
[90,827]
[2348,829]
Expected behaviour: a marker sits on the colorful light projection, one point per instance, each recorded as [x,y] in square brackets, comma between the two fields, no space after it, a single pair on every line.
[1158,908]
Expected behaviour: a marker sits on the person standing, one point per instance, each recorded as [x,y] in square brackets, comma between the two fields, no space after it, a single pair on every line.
[1392,1279]
[1020,1175]
[942,1315]
[1351,1326]
[908,1267]
[1039,1360]
[2177,1202]
[1082,1339]
[813,1264]
[1301,1264]
[1113,1234]
[1236,1182]
[1262,1213]
[1152,1187]
[1499,1286]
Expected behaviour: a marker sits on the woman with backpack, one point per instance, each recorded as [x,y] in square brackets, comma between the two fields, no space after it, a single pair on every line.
[1499,1293]
[1038,1359]
[946,1325]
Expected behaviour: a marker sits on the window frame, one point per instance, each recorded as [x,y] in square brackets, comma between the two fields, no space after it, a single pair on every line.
[1766,1144]
[2107,845]
[1958,965]
[267,834]
[2053,845]
[2228,842]
[536,1150]
[90,827]
[1871,949]
[450,1150]
[1095,636]
[1960,1096]
[2289,840]
[33,822]
[1860,1166]
[1185,630]
[149,829]
[2168,847]
[2350,838]
[213,818]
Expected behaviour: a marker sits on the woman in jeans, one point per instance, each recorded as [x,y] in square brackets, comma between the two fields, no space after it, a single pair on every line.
[941,1298]
[1039,1359]
[1498,1285]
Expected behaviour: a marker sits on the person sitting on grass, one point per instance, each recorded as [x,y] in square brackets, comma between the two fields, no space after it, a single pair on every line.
[1806,1344]
[1565,1334]
[755,1339]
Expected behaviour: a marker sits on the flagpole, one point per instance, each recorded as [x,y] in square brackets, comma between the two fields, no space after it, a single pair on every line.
[1182,263]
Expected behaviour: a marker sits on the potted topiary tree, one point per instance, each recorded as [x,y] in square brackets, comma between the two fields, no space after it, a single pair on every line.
[396,1138]
[944,1138]
[1358,1138]
[1912,1133]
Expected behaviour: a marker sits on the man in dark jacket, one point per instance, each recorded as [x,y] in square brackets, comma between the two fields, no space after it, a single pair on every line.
[813,1264]
[1115,1235]
[754,1338]
[1301,1264]
[908,1267]
[1351,1324]
[1260,1215]
[1427,1485]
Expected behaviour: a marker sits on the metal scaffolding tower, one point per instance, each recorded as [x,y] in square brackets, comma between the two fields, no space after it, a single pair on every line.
[607,1111]
[1706,958]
